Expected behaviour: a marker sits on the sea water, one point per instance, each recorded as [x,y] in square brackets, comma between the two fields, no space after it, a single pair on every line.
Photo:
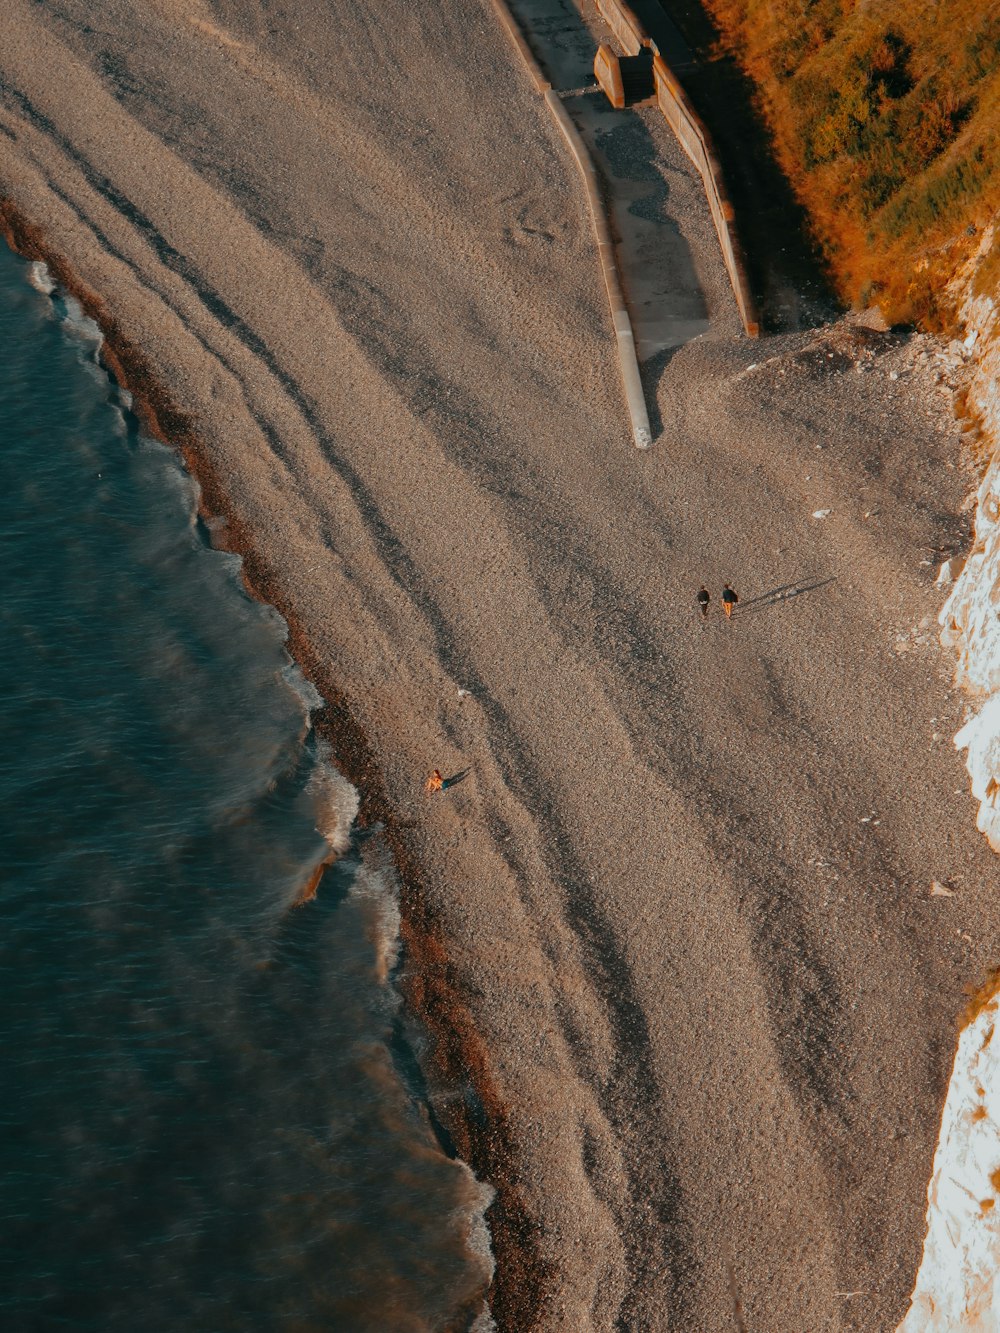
[204,1125]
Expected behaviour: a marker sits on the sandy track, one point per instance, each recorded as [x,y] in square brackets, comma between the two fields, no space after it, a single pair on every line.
[719,1007]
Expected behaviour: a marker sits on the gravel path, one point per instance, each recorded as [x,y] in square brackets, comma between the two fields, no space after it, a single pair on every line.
[683,896]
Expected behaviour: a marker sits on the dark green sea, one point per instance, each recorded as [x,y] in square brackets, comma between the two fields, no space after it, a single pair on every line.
[208,1119]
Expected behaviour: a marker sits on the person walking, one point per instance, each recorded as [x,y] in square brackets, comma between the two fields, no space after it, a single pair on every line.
[729,599]
[435,782]
[704,597]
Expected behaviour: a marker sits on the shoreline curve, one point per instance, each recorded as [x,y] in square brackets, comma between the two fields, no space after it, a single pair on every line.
[458,1055]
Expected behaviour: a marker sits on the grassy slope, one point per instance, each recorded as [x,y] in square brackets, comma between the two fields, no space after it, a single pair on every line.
[886,117]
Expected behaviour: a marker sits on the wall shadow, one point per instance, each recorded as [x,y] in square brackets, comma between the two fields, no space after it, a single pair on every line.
[785,268]
[663,292]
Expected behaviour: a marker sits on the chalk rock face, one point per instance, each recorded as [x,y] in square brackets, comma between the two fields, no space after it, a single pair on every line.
[958,1286]
[980,737]
[970,619]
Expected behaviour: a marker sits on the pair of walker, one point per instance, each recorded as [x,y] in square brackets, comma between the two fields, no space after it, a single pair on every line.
[729,599]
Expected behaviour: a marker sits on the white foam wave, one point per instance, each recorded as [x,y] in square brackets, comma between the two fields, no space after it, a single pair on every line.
[377,884]
[41,279]
[336,801]
[304,689]
[79,323]
[479,1240]
[376,880]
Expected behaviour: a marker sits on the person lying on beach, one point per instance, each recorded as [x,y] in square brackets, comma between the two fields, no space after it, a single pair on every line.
[437,783]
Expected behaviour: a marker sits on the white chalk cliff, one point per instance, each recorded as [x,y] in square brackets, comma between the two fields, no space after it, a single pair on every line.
[958,1285]
[970,620]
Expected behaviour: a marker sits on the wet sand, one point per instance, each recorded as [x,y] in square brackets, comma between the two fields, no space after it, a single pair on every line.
[693,1007]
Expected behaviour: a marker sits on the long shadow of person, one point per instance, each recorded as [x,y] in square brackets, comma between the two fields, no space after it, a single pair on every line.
[785,593]
[455,779]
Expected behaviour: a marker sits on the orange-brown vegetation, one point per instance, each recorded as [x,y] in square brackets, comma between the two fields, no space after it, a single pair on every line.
[984,996]
[886,119]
